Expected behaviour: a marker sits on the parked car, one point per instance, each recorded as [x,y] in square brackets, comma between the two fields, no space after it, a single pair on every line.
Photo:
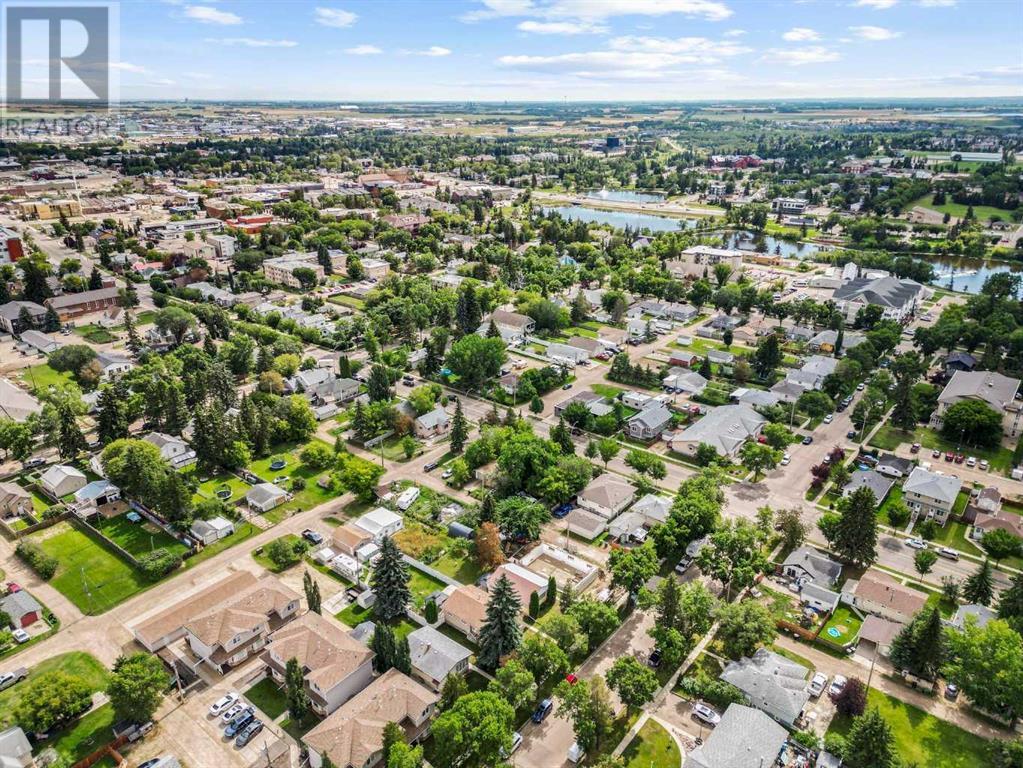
[654,659]
[935,454]
[7,679]
[571,679]
[951,691]
[12,587]
[240,722]
[706,714]
[561,510]
[236,709]
[984,464]
[807,440]
[543,710]
[960,458]
[683,565]
[829,418]
[949,554]
[916,543]
[430,467]
[312,536]
[837,685]
[971,461]
[249,733]
[516,741]
[860,387]
[914,448]
[818,684]
[224,702]
[949,456]
[447,473]
[851,434]
[35,461]
[20,636]
[567,386]
[785,459]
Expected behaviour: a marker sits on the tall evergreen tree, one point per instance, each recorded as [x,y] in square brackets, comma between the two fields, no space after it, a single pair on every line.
[312,592]
[561,436]
[979,587]
[390,582]
[379,384]
[869,743]
[402,655]
[70,440]
[294,686]
[134,343]
[920,647]
[488,508]
[95,280]
[856,532]
[383,646]
[459,429]
[500,633]
[1010,604]
[112,419]
[51,321]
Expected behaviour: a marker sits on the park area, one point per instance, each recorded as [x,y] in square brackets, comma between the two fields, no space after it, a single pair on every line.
[920,738]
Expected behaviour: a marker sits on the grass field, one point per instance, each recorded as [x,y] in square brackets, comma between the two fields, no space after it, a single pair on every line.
[76,663]
[653,747]
[41,377]
[267,698]
[84,736]
[266,562]
[422,585]
[921,738]
[89,575]
[983,213]
[95,334]
[310,496]
[353,615]
[138,538]
[223,481]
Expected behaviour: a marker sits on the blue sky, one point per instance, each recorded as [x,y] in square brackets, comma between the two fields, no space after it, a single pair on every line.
[570,49]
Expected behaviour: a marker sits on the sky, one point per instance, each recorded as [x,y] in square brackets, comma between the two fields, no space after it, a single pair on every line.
[575,50]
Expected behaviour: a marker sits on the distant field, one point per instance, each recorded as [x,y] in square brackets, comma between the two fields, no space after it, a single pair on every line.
[982,212]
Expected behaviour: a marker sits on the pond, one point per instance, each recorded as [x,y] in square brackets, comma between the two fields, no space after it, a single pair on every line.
[620,219]
[969,275]
[625,196]
[787,249]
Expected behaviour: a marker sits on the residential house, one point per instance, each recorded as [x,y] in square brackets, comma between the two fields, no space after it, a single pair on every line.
[959,361]
[772,683]
[993,389]
[379,523]
[11,315]
[634,525]
[40,342]
[349,538]
[509,383]
[815,369]
[210,292]
[878,593]
[649,423]
[14,500]
[877,483]
[724,428]
[826,341]
[880,633]
[466,610]
[263,497]
[212,530]
[684,380]
[585,397]
[435,656]
[173,450]
[606,496]
[808,565]
[897,297]
[375,269]
[684,358]
[700,260]
[335,666]
[352,736]
[113,365]
[980,615]
[523,581]
[931,494]
[985,522]
[819,598]
[585,524]
[15,749]
[894,466]
[745,738]
[755,398]
[512,326]
[60,480]
[23,609]
[566,354]
[72,305]
[97,496]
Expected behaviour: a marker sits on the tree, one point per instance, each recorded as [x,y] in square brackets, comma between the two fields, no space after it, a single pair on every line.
[50,700]
[402,655]
[1000,544]
[566,632]
[475,360]
[734,555]
[517,516]
[1006,754]
[856,530]
[475,731]
[454,688]
[869,743]
[793,529]
[70,440]
[924,561]
[758,457]
[294,689]
[587,704]
[379,384]
[392,736]
[920,646]
[488,547]
[390,582]
[137,686]
[1010,604]
[815,404]
[459,429]
[113,419]
[632,568]
[972,422]
[596,619]
[979,586]
[542,656]
[777,435]
[744,627]
[767,357]
[608,449]
[696,607]
[174,321]
[358,475]
[515,683]
[851,701]
[634,683]
[383,646]
[312,592]
[987,664]
[500,633]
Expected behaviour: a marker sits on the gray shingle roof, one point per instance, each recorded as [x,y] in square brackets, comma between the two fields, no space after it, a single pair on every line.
[435,654]
[745,738]
[868,478]
[932,485]
[772,683]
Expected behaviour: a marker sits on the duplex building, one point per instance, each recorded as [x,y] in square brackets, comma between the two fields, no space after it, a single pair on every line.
[996,391]
[930,494]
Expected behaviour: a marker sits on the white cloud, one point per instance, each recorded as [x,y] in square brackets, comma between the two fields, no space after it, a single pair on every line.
[879,5]
[251,42]
[936,3]
[125,66]
[208,15]
[874,34]
[735,33]
[334,17]
[686,49]
[433,50]
[562,27]
[801,34]
[597,10]
[363,50]
[797,57]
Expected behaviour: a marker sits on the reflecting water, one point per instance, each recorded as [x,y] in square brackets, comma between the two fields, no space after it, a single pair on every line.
[625,195]
[621,219]
[968,275]
[744,241]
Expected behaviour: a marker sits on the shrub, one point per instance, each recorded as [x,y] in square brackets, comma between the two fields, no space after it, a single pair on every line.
[298,483]
[718,693]
[431,611]
[43,564]
[158,563]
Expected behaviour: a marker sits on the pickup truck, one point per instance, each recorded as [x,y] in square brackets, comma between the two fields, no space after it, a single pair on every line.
[7,679]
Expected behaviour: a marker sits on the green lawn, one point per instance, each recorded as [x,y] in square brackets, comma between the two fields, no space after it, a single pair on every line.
[422,586]
[653,747]
[983,213]
[845,623]
[267,698]
[266,562]
[353,615]
[607,390]
[222,482]
[89,575]
[462,569]
[138,538]
[888,438]
[77,663]
[310,496]
[242,531]
[297,730]
[41,377]
[921,738]
[84,736]
[95,334]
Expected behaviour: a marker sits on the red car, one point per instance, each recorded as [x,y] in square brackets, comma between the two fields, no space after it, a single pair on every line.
[960,458]
[572,679]
[13,587]
[949,456]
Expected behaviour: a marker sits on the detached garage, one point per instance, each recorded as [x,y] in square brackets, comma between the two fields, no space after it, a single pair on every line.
[23,609]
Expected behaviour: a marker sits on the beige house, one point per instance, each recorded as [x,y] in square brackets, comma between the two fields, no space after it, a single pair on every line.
[606,496]
[433,424]
[335,665]
[14,500]
[348,538]
[878,593]
[466,610]
[352,737]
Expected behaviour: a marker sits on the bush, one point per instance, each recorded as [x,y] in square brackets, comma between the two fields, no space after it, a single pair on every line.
[43,564]
[158,563]
[717,693]
[431,611]
[298,483]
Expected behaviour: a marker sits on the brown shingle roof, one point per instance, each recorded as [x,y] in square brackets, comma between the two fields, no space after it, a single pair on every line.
[350,536]
[879,587]
[322,647]
[171,619]
[241,612]
[469,604]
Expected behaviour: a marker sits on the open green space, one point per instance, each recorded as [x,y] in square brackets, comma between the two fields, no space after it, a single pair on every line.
[920,738]
[653,747]
[41,377]
[353,616]
[221,483]
[77,663]
[95,334]
[296,729]
[138,538]
[261,557]
[84,736]
[422,586]
[888,438]
[842,627]
[607,390]
[268,698]
[89,575]
[983,213]
[310,496]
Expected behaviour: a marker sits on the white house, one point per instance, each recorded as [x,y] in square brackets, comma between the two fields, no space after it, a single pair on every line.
[433,424]
[174,450]
[61,480]
[931,494]
[265,496]
[725,429]
[212,530]
[379,523]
